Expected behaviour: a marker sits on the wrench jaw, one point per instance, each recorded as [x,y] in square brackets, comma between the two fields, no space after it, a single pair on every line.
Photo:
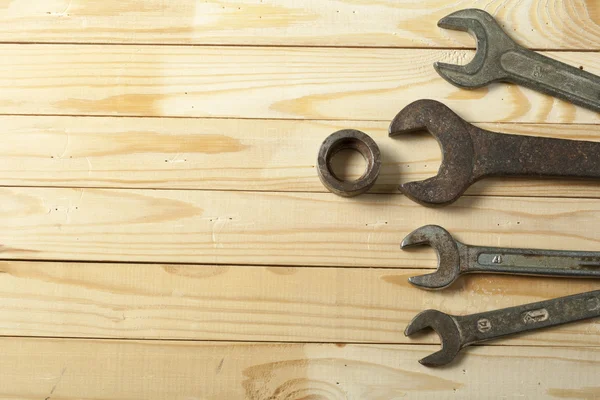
[452,134]
[436,191]
[448,269]
[464,76]
[491,41]
[444,325]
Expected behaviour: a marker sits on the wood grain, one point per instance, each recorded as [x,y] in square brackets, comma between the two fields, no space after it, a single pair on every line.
[253,88]
[245,303]
[266,82]
[272,228]
[62,369]
[258,155]
[568,24]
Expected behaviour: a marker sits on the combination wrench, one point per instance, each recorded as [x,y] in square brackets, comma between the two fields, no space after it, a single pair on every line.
[470,153]
[458,332]
[456,258]
[499,58]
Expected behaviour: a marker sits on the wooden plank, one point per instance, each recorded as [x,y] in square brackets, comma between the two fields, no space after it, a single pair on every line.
[568,24]
[82,369]
[272,228]
[244,303]
[273,155]
[268,82]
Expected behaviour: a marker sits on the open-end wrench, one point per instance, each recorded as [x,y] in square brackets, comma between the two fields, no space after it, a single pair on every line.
[458,332]
[456,258]
[499,58]
[470,153]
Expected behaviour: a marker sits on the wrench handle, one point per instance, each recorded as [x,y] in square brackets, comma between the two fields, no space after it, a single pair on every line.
[512,261]
[485,326]
[518,155]
[538,72]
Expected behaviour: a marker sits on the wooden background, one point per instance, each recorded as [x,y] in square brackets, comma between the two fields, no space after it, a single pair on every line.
[165,235]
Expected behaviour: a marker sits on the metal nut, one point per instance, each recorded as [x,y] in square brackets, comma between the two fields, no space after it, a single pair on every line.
[348,139]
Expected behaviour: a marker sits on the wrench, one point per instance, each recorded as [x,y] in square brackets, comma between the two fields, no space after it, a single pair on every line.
[499,58]
[456,258]
[470,153]
[458,332]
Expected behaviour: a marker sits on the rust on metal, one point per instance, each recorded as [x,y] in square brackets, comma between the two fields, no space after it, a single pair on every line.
[499,58]
[348,139]
[470,153]
[458,332]
[456,258]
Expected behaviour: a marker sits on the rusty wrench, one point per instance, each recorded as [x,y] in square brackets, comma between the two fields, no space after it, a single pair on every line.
[456,258]
[470,153]
[458,332]
[499,58]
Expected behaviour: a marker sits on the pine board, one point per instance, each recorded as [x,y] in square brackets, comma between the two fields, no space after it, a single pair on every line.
[254,228]
[84,369]
[252,155]
[301,294]
[568,24]
[263,82]
[283,304]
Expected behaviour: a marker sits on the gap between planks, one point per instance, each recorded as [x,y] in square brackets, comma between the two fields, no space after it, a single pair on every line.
[285,46]
[274,342]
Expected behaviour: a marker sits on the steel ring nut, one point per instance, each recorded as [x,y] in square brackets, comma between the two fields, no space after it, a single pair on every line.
[342,140]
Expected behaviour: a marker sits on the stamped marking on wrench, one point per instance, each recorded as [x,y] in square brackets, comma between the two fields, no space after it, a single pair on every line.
[499,58]
[470,153]
[593,303]
[531,317]
[484,325]
[456,258]
[458,332]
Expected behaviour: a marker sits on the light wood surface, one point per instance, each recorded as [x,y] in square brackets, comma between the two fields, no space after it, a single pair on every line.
[252,155]
[284,304]
[270,228]
[222,371]
[165,235]
[563,24]
[260,82]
